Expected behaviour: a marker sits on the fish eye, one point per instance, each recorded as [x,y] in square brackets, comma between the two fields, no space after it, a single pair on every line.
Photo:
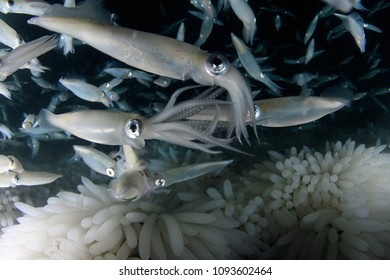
[216,64]
[110,172]
[133,128]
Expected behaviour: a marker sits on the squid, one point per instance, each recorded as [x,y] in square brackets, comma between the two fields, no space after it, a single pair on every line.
[289,110]
[96,160]
[8,36]
[121,128]
[250,64]
[45,85]
[136,181]
[209,15]
[244,12]
[152,53]
[10,163]
[206,7]
[85,91]
[30,7]
[346,6]
[66,42]
[27,178]
[12,174]
[351,23]
[134,184]
[192,123]
[21,55]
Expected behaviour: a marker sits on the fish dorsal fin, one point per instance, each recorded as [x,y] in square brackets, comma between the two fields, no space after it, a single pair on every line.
[90,10]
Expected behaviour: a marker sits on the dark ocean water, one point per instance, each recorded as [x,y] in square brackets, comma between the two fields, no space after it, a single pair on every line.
[365,121]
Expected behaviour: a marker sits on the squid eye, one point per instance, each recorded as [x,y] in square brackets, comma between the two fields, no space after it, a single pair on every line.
[110,172]
[216,64]
[10,3]
[16,179]
[257,112]
[133,128]
[160,183]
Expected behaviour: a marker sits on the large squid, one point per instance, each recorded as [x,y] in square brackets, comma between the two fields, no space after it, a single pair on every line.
[170,125]
[192,123]
[153,53]
[288,110]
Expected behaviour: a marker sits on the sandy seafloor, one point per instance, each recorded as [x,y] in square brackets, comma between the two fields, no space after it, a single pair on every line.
[365,121]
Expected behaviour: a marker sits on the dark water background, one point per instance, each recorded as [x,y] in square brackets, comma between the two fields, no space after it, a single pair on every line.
[365,121]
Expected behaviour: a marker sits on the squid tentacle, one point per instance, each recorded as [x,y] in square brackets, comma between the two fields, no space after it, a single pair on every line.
[178,132]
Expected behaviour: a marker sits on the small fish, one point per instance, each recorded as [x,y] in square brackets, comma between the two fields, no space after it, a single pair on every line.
[85,91]
[278,22]
[245,13]
[310,29]
[108,86]
[206,28]
[250,64]
[65,42]
[353,23]
[344,6]
[309,51]
[5,132]
[96,160]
